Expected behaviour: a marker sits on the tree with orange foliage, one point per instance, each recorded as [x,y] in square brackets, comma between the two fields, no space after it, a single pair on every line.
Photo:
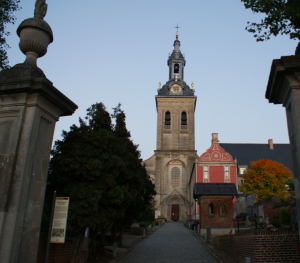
[267,178]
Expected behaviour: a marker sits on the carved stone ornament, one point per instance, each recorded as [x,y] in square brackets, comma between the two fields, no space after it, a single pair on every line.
[40,9]
[35,34]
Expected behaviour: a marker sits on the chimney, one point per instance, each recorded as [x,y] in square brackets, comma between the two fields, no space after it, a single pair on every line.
[270,142]
[214,138]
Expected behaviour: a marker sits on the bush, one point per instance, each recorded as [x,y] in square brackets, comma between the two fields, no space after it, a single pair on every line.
[142,224]
[156,223]
[275,223]
[284,216]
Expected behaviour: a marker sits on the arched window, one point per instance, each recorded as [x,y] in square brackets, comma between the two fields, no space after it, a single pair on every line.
[176,68]
[222,209]
[175,176]
[183,118]
[211,209]
[167,120]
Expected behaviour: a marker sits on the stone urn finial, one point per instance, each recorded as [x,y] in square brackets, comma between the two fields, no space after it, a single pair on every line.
[40,9]
[35,34]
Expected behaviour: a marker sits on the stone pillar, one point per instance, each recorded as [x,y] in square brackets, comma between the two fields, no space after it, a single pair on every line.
[284,88]
[29,108]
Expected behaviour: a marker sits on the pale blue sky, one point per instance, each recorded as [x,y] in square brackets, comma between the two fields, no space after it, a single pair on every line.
[116,51]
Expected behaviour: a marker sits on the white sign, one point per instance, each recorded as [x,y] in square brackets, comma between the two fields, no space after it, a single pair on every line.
[59,224]
[157,213]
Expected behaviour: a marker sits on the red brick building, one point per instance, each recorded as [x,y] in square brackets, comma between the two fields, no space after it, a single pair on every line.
[213,166]
[215,206]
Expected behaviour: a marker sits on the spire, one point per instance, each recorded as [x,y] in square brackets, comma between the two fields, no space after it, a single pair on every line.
[177,44]
[176,62]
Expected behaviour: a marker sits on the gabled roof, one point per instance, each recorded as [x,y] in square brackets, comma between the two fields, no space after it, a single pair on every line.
[247,152]
[208,189]
[215,153]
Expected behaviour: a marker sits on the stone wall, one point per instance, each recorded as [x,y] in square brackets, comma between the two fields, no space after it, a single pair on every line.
[262,246]
[216,220]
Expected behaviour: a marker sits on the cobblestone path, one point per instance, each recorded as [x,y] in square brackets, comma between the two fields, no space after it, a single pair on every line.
[171,243]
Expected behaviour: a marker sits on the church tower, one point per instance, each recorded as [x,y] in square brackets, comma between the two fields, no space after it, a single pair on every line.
[172,163]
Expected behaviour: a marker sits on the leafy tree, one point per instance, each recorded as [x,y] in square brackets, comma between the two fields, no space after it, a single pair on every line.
[99,168]
[291,189]
[266,178]
[137,186]
[7,7]
[142,208]
[282,16]
[84,167]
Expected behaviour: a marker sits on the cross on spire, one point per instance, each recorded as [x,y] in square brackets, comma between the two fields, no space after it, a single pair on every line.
[177,27]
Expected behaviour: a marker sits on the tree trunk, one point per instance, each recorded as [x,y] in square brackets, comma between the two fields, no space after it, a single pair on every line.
[114,233]
[120,237]
[102,237]
[77,248]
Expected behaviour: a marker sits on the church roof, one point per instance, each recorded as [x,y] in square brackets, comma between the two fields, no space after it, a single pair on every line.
[208,189]
[247,152]
[165,90]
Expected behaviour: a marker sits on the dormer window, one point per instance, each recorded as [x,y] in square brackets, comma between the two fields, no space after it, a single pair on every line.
[167,120]
[176,68]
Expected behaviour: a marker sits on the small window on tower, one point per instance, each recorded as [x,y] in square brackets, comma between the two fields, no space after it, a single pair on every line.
[167,120]
[176,68]
[175,177]
[183,118]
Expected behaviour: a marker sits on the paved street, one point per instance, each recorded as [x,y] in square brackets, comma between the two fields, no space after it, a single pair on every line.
[172,243]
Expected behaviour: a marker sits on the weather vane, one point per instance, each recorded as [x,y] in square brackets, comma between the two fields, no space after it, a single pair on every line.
[177,27]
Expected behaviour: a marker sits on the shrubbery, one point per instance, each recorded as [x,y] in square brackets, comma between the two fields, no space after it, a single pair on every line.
[284,216]
[276,223]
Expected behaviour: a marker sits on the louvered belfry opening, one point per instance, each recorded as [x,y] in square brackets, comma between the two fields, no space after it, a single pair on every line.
[168,120]
[183,121]
[176,68]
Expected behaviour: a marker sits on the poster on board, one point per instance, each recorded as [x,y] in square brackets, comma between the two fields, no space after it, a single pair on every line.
[60,216]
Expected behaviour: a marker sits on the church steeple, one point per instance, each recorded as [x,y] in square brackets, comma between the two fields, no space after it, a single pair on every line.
[176,85]
[176,62]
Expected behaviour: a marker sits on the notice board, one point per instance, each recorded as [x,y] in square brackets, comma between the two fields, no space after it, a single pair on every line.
[60,216]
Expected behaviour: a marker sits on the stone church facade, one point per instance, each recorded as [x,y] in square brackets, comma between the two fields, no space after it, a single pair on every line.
[171,165]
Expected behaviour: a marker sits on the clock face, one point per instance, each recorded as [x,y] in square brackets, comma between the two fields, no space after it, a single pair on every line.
[176,89]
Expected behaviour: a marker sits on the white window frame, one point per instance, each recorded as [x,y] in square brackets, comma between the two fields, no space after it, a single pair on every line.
[205,174]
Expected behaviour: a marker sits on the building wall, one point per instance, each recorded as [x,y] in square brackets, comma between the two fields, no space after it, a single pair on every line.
[216,174]
[262,246]
[193,202]
[215,160]
[199,174]
[216,220]
[175,148]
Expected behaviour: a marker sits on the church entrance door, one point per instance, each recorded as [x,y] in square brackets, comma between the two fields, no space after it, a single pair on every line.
[175,212]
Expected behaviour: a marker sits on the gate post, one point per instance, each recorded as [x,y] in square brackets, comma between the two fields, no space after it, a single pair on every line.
[30,106]
[284,88]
